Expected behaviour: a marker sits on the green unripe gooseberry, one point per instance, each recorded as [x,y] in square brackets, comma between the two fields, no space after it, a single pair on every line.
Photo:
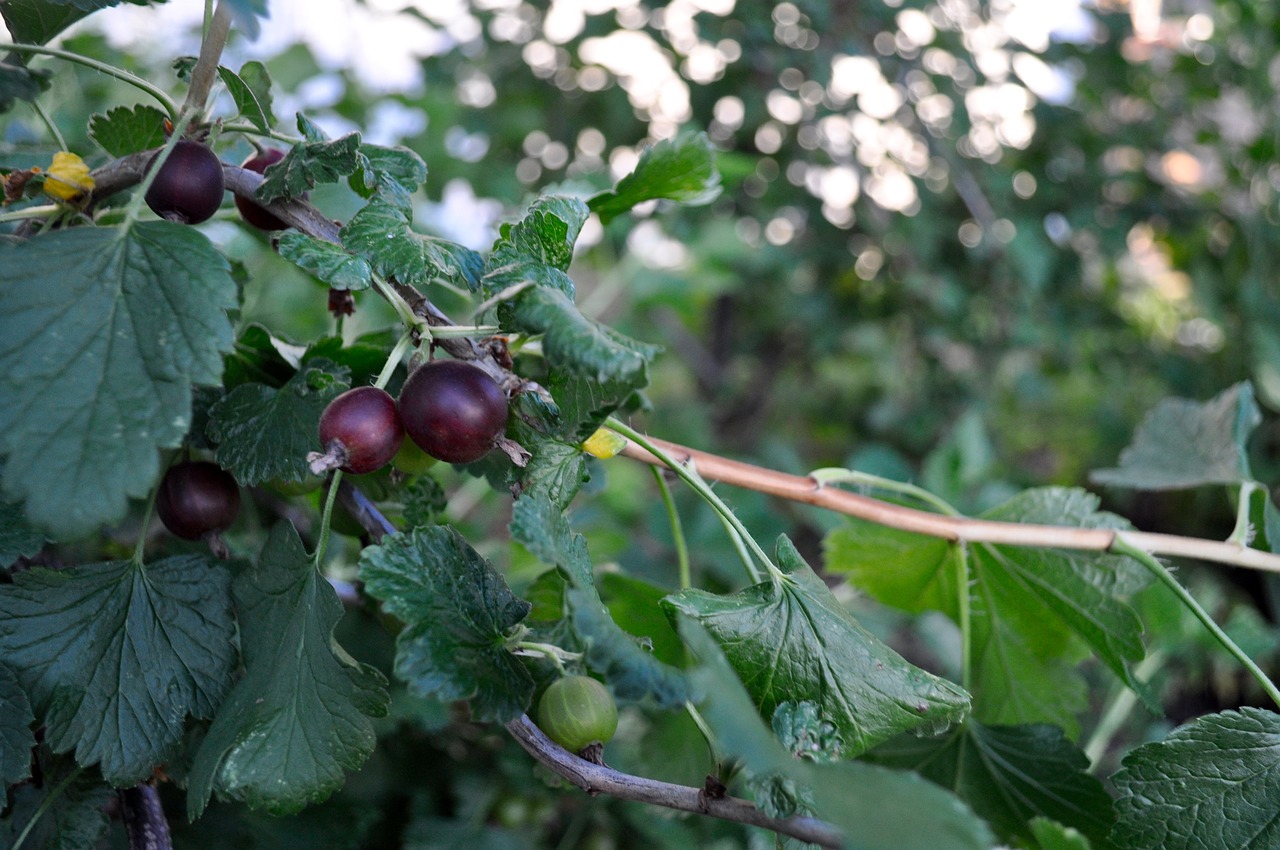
[412,460]
[577,711]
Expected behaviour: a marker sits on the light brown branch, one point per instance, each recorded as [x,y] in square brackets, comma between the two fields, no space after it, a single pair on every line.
[206,68]
[597,779]
[800,488]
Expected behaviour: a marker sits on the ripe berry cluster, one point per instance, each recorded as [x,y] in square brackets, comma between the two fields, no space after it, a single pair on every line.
[450,409]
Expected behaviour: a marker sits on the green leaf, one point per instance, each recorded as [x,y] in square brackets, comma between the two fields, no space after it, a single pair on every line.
[37,21]
[635,605]
[264,433]
[681,170]
[631,670]
[247,13]
[425,502]
[584,403]
[302,713]
[16,737]
[308,163]
[18,82]
[545,236]
[125,130]
[574,343]
[251,91]
[103,331]
[791,640]
[1009,775]
[18,538]
[67,810]
[557,470]
[381,233]
[328,262]
[1051,835]
[1214,782]
[863,800]
[115,656]
[459,617]
[260,356]
[805,733]
[390,169]
[1029,606]
[1184,443]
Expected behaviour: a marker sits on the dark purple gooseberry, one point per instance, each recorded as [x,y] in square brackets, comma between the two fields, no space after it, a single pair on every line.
[188,188]
[360,432]
[253,213]
[197,498]
[453,410]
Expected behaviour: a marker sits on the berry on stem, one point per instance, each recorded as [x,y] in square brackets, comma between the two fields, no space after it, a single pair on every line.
[188,187]
[253,213]
[453,410]
[197,499]
[578,712]
[360,431]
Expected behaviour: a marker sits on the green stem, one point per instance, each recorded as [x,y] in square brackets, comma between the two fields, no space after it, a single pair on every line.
[1123,547]
[677,530]
[139,197]
[49,125]
[961,553]
[1117,710]
[1240,534]
[741,548]
[832,475]
[44,805]
[327,517]
[104,68]
[139,550]
[393,360]
[707,734]
[44,211]
[691,477]
[396,300]
[251,130]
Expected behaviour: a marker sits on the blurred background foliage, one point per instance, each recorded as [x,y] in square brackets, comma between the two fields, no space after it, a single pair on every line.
[965,243]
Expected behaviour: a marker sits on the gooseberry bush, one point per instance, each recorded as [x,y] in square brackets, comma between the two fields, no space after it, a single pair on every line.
[191,688]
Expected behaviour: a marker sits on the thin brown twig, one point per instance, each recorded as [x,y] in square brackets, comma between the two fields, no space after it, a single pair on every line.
[598,779]
[802,488]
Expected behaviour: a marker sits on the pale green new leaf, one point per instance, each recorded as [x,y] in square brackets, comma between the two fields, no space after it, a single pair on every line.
[459,616]
[264,433]
[16,737]
[791,640]
[251,91]
[1010,775]
[103,332]
[303,712]
[115,656]
[681,170]
[125,130]
[1213,783]
[1184,443]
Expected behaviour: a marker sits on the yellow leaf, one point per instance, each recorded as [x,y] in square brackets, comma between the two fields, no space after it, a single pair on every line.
[68,177]
[604,444]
